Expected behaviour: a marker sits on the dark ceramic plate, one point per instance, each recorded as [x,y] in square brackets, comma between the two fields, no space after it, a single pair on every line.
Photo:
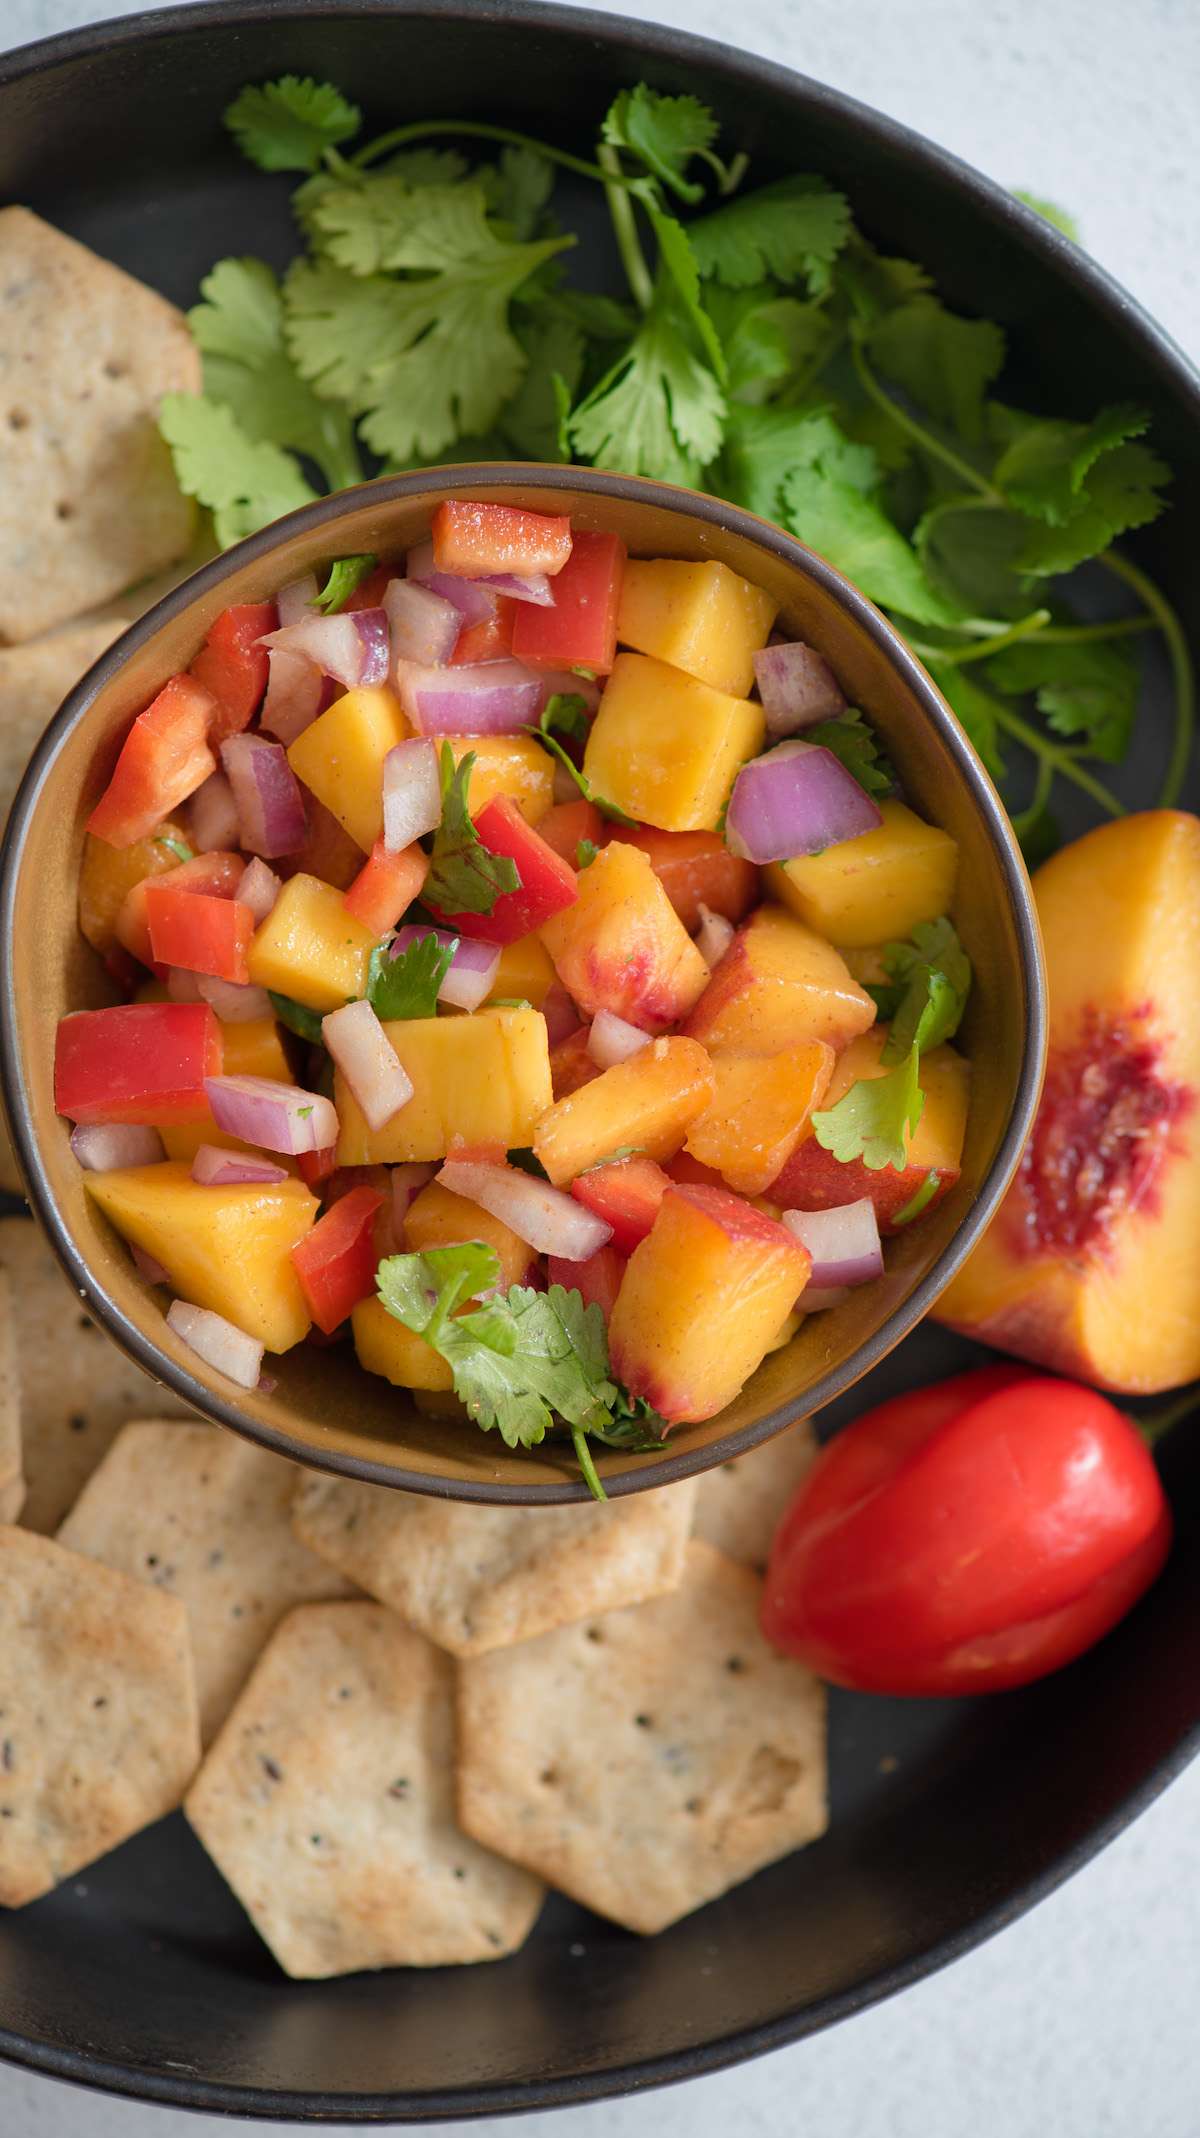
[143,1976]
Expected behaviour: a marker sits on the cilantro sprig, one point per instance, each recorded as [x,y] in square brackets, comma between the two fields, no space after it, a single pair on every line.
[568,714]
[345,577]
[305,1023]
[407,986]
[924,996]
[464,875]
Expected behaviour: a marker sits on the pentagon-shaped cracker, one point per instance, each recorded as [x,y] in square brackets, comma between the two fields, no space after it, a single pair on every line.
[474,1578]
[77,1390]
[739,1503]
[98,1724]
[12,1482]
[327,1803]
[208,1516]
[89,502]
[648,1760]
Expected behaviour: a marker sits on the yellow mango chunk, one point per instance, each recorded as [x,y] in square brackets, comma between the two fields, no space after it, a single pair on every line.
[646,1102]
[702,1302]
[310,948]
[514,765]
[525,972]
[480,1079]
[777,985]
[108,873]
[386,1346]
[622,946]
[227,1249]
[439,1218]
[758,1112]
[701,617]
[875,888]
[255,1049]
[665,747]
[340,758]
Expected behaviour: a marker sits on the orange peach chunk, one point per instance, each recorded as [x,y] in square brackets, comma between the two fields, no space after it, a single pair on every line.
[623,947]
[646,1104]
[439,1218]
[758,1113]
[777,985]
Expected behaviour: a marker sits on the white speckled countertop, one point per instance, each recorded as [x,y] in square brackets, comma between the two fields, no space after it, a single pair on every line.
[1081,2018]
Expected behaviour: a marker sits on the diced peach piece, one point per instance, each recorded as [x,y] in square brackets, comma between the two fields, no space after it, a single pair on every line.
[873,889]
[564,826]
[525,973]
[439,1218]
[623,947]
[702,1302]
[645,1103]
[777,985]
[478,1079]
[758,1112]
[696,868]
[390,1348]
[665,747]
[701,617]
[108,873]
[813,1179]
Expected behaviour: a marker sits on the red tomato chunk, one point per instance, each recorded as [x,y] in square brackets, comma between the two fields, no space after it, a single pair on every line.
[143,1061]
[548,884]
[199,932]
[164,758]
[234,667]
[336,1261]
[626,1195]
[580,631]
[475,540]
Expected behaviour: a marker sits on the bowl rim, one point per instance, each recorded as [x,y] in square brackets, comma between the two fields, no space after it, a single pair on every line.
[209,1397]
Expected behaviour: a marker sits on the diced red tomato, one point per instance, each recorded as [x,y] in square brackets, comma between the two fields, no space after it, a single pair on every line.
[696,868]
[386,886]
[547,883]
[570,1063]
[489,640]
[383,1232]
[369,592]
[234,667]
[581,629]
[626,1195]
[598,1280]
[317,1166]
[142,1061]
[215,875]
[567,823]
[689,1172]
[198,931]
[163,759]
[475,540]
[336,1261]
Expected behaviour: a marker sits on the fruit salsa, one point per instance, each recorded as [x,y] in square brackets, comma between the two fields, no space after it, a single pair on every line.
[533,978]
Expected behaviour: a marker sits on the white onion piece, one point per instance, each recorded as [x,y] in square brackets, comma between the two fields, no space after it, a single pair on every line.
[232,1002]
[258,888]
[561,1015]
[472,971]
[798,799]
[844,1243]
[713,936]
[480,698]
[368,1061]
[818,1300]
[424,627]
[183,986]
[797,687]
[520,586]
[612,1040]
[333,644]
[269,797]
[547,1220]
[297,599]
[101,1147]
[214,816]
[296,693]
[217,1342]
[271,1115]
[147,1267]
[215,1168]
[372,628]
[412,793]
[407,1183]
[474,601]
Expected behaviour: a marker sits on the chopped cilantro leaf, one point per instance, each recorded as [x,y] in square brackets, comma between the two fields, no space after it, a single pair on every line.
[407,986]
[871,1120]
[303,1022]
[659,409]
[345,576]
[566,713]
[464,876]
[288,125]
[607,809]
[929,980]
[1060,217]
[179,847]
[586,851]
[617,1157]
[856,746]
[943,363]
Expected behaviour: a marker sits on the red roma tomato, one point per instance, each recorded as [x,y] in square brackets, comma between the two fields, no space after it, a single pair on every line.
[489,640]
[217,875]
[475,541]
[580,631]
[369,592]
[626,1195]
[547,882]
[163,759]
[966,1538]
[386,886]
[336,1261]
[598,1280]
[234,667]
[197,931]
[142,1061]
[317,1166]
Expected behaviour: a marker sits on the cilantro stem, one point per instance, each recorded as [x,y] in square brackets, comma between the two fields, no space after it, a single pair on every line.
[1181,669]
[1161,1421]
[1024,822]
[477,130]
[620,208]
[1117,627]
[1062,760]
[982,648]
[917,431]
[583,1453]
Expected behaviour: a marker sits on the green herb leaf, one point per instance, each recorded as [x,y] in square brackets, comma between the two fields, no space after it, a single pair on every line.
[871,1120]
[244,483]
[659,411]
[1060,217]
[509,1002]
[519,189]
[1085,689]
[973,708]
[1121,493]
[766,337]
[943,363]
[464,876]
[833,516]
[665,133]
[586,851]
[554,349]
[407,986]
[764,445]
[920,1201]
[929,981]
[856,746]
[793,230]
[288,125]
[1045,469]
[566,713]
[617,1157]
[305,1023]
[607,809]
[345,577]
[179,847]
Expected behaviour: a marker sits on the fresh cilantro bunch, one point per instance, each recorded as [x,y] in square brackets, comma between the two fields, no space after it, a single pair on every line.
[923,997]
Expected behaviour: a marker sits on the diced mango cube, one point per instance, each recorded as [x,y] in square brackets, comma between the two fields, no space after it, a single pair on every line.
[310,948]
[701,617]
[759,1110]
[439,1218]
[108,873]
[478,1079]
[645,1103]
[702,1302]
[514,765]
[665,747]
[389,1347]
[777,985]
[228,1249]
[623,947]
[875,888]
[340,758]
[525,972]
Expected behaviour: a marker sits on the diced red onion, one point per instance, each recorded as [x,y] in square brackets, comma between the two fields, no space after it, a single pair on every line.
[520,586]
[471,975]
[480,698]
[266,1384]
[183,986]
[234,1004]
[713,936]
[816,1300]
[214,816]
[798,799]
[412,793]
[269,797]
[424,626]
[372,628]
[843,1242]
[612,1040]
[474,601]
[407,1183]
[101,1147]
[215,1168]
[561,1015]
[333,644]
[368,1061]
[258,888]
[147,1267]
[544,1217]
[797,687]
[297,599]
[296,694]
[217,1342]
[274,1116]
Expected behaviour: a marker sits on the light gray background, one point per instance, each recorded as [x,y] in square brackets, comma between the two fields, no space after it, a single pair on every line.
[1082,2018]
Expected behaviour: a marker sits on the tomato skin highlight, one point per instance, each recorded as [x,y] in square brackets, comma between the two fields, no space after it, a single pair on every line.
[163,759]
[475,540]
[336,1261]
[967,1538]
[234,667]
[548,883]
[626,1195]
[580,631]
[143,1062]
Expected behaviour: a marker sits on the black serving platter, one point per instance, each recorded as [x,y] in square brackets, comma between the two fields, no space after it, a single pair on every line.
[142,1976]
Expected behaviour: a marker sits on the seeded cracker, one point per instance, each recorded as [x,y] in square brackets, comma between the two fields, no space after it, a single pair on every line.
[89,503]
[98,1726]
[12,1483]
[739,1504]
[208,1516]
[77,1389]
[648,1760]
[327,1803]
[475,1578]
